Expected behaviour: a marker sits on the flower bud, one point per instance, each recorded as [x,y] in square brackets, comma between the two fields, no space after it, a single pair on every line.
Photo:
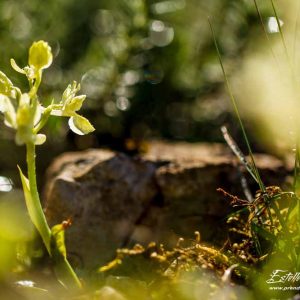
[40,55]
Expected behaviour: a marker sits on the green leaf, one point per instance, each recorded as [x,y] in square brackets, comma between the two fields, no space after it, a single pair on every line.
[80,125]
[40,55]
[263,232]
[27,194]
[34,213]
[282,245]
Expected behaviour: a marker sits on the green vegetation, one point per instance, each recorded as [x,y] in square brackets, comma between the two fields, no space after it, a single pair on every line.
[118,51]
[25,113]
[150,70]
[268,224]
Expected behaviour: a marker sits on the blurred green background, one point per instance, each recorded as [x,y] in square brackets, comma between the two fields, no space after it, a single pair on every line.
[149,68]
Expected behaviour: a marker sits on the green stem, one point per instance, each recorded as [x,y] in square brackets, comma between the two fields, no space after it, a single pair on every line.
[44,229]
[34,88]
[264,29]
[64,272]
[270,215]
[295,34]
[296,177]
[280,30]
[44,119]
[236,110]
[284,45]
[287,233]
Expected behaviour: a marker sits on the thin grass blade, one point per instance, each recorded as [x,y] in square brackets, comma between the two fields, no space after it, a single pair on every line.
[236,110]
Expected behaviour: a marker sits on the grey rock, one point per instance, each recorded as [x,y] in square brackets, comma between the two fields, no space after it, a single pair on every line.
[104,194]
[114,199]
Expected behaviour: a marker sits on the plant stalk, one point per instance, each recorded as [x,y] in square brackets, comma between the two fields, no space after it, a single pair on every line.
[44,231]
[236,110]
[61,264]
